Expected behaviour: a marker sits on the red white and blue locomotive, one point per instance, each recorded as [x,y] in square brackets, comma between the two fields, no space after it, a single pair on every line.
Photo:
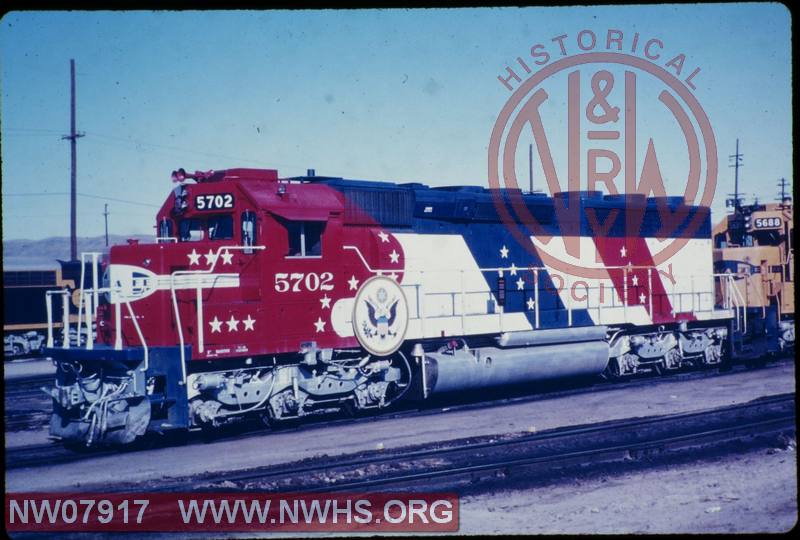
[281,298]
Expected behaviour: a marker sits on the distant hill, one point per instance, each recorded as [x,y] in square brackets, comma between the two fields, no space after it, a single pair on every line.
[40,254]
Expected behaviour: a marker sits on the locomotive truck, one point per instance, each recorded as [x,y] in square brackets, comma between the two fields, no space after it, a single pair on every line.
[281,298]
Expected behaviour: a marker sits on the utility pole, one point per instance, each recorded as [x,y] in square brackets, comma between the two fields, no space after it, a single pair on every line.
[105,215]
[782,183]
[530,166]
[737,162]
[73,139]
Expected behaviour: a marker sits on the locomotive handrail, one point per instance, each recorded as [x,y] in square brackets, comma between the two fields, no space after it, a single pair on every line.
[95,255]
[93,293]
[89,318]
[64,294]
[141,336]
[485,269]
[740,302]
[199,308]
[90,331]
[701,300]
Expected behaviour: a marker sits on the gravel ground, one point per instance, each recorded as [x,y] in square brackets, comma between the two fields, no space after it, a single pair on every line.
[754,491]
[287,446]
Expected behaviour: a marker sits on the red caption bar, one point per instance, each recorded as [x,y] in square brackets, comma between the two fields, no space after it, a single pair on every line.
[176,512]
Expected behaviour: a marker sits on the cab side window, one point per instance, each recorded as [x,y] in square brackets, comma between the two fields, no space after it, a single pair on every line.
[305,238]
[248,228]
[165,229]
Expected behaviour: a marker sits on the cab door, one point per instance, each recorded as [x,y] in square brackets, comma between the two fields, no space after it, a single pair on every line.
[303,279]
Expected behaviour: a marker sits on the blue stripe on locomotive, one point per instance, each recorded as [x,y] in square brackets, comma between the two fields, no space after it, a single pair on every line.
[470,211]
[476,204]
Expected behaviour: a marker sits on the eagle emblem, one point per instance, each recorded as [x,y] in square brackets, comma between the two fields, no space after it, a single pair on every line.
[382,313]
[380,316]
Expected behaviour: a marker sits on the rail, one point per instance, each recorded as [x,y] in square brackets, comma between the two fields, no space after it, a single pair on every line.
[470,461]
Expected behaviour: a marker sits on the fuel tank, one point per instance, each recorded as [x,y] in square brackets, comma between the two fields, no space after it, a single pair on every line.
[539,355]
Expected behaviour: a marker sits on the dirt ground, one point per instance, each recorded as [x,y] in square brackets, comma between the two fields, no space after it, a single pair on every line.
[753,491]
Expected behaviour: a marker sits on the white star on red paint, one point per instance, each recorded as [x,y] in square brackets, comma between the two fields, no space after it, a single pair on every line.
[216,324]
[319,325]
[249,323]
[233,324]
[194,257]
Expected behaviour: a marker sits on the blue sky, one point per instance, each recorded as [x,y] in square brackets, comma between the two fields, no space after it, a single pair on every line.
[404,95]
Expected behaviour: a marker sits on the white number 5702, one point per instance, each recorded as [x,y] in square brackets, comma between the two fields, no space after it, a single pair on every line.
[298,281]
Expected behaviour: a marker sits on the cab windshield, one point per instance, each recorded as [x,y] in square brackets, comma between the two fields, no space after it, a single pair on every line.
[212,228]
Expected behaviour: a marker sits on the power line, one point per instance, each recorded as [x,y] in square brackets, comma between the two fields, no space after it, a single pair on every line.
[88,195]
[169,148]
[34,130]
[119,200]
[187,150]
[31,134]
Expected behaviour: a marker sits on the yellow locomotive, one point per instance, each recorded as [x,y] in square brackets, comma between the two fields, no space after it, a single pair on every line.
[754,245]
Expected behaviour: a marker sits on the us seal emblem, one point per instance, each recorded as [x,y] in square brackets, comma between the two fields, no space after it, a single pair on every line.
[380,316]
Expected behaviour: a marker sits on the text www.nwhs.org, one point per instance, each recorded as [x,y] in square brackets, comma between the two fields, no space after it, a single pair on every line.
[187,512]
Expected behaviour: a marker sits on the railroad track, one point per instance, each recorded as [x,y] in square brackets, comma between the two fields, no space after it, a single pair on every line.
[26,406]
[470,461]
[26,385]
[56,453]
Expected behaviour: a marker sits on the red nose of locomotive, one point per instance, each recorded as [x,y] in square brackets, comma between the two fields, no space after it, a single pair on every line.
[204,256]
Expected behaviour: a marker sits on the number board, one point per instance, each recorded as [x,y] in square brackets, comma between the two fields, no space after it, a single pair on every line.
[216,201]
[767,223]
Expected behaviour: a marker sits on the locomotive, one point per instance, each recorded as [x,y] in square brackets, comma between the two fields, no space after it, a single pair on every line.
[755,244]
[25,319]
[280,298]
